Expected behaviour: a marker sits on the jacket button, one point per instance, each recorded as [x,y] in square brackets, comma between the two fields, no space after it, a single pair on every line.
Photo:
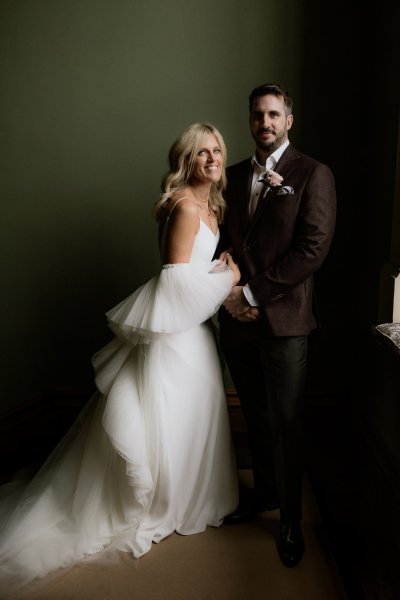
[246,248]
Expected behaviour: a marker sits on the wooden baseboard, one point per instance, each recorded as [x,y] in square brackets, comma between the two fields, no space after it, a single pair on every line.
[232,398]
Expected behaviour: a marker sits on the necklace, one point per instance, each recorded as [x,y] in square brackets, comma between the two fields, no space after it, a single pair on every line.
[205,204]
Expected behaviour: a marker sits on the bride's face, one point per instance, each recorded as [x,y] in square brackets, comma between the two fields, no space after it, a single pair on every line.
[208,163]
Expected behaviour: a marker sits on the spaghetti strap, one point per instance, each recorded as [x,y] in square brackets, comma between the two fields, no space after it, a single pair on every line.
[179,199]
[166,222]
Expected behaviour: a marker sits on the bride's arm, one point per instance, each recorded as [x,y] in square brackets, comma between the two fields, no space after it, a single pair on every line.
[181,229]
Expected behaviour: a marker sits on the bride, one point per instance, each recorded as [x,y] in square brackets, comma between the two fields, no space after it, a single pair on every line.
[151,452]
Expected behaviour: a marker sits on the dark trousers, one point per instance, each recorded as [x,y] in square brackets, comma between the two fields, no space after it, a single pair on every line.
[269,376]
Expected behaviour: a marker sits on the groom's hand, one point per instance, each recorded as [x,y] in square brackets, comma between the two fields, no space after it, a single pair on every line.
[238,307]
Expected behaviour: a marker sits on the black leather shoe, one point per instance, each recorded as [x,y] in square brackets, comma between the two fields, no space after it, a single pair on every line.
[248,510]
[291,543]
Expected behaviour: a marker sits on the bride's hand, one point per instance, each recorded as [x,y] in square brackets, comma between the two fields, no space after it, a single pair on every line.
[224,254]
[234,268]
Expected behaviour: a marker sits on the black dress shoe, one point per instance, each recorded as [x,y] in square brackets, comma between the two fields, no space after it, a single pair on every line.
[248,510]
[291,543]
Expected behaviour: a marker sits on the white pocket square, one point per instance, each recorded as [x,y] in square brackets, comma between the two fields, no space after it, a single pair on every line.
[286,189]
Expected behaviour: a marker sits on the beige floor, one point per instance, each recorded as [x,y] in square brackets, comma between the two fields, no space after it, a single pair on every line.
[230,563]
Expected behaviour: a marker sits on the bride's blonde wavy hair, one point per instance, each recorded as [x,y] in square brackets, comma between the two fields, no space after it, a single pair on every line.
[181,158]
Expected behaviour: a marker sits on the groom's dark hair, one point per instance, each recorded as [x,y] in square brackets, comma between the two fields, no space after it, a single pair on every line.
[276,90]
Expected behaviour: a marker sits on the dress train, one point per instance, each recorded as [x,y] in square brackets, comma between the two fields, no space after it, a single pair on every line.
[151,453]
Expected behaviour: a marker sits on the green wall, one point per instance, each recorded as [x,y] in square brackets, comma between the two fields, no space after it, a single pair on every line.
[93,93]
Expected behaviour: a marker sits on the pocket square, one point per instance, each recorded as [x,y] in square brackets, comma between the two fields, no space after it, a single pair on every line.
[286,189]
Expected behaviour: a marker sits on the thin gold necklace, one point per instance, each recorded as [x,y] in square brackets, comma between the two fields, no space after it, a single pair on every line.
[206,204]
[210,213]
[203,203]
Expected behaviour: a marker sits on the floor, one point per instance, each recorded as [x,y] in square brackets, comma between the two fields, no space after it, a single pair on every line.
[227,563]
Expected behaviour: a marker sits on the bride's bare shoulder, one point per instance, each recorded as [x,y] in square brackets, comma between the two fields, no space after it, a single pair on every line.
[182,203]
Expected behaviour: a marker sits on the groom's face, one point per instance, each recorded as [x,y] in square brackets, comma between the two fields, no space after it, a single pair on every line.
[269,123]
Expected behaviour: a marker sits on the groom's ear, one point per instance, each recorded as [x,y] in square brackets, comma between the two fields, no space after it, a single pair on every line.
[289,122]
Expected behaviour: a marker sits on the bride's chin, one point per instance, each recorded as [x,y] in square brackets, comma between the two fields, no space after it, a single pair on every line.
[214,178]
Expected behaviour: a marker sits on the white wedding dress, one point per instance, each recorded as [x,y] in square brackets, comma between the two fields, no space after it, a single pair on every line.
[151,453]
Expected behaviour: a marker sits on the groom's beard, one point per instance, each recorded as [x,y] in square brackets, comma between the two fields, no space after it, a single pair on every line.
[270,147]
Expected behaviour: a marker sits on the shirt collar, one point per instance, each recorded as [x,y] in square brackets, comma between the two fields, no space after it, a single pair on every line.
[272,159]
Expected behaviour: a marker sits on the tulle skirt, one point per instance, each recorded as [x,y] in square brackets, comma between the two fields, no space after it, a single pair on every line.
[150,454]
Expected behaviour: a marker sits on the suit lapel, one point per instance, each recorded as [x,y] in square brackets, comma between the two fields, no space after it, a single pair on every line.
[284,167]
[287,162]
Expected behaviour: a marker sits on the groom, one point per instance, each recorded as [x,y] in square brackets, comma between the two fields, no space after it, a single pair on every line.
[278,226]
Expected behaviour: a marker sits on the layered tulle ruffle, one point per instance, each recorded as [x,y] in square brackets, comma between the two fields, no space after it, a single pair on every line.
[181,296]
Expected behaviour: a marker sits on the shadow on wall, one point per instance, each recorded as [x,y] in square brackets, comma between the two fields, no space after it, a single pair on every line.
[64,281]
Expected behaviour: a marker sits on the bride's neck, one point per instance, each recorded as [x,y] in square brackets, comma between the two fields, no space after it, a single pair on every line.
[201,192]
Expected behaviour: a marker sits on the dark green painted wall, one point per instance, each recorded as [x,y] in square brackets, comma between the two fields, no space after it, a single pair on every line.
[92,95]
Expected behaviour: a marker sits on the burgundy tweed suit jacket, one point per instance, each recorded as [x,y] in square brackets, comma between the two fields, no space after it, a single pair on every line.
[280,248]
